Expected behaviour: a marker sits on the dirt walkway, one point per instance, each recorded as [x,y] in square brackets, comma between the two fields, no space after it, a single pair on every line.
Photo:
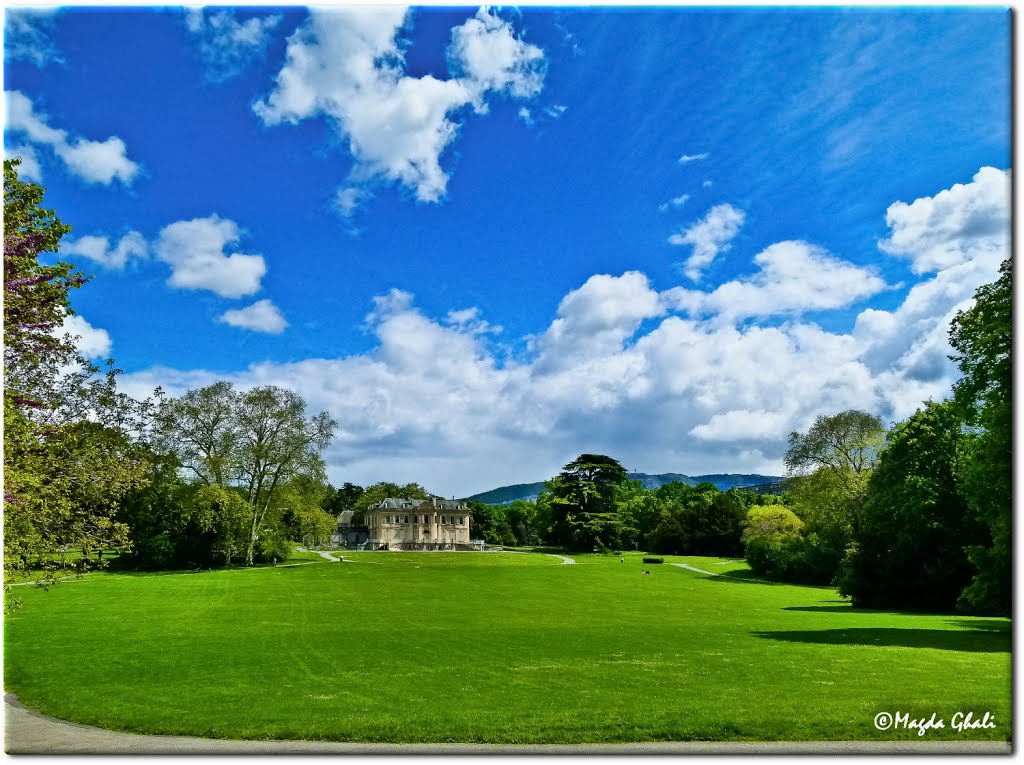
[28,732]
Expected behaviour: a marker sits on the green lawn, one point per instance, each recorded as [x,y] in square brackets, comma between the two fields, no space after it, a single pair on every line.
[494,647]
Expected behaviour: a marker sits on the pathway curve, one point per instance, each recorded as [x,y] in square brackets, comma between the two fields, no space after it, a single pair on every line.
[694,568]
[566,561]
[325,555]
[29,732]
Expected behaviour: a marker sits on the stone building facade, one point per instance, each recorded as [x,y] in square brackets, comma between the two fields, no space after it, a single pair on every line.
[419,524]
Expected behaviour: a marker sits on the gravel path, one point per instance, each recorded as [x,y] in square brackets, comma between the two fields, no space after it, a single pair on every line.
[28,732]
[694,568]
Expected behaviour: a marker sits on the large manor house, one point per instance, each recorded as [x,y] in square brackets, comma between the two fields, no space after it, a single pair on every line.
[410,524]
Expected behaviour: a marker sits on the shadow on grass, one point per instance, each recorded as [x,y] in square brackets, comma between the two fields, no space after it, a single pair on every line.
[986,625]
[845,608]
[969,640]
[747,576]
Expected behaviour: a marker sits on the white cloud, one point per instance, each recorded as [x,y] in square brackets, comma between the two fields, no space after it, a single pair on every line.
[92,342]
[196,252]
[793,277]
[348,200]
[98,249]
[261,316]
[28,35]
[687,158]
[486,53]
[226,44]
[954,226]
[98,161]
[617,373]
[29,169]
[706,185]
[709,236]
[679,201]
[346,64]
[92,161]
[596,319]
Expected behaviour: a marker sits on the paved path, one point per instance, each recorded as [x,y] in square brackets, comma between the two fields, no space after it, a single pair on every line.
[565,560]
[325,555]
[28,732]
[694,568]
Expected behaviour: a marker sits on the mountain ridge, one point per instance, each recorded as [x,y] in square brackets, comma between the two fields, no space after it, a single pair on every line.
[504,495]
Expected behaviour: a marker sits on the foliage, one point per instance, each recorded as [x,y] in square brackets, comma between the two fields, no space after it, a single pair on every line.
[695,520]
[829,467]
[983,339]
[257,440]
[342,500]
[847,443]
[582,503]
[70,439]
[173,524]
[35,296]
[302,516]
[910,534]
[274,550]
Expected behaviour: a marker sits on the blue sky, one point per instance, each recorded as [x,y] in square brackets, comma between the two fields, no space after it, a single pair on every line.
[488,240]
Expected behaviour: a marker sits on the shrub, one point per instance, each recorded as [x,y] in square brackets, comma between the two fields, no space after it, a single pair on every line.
[654,560]
[274,548]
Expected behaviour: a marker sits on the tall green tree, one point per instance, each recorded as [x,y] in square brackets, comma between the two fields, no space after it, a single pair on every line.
[582,503]
[828,472]
[910,533]
[343,499]
[202,430]
[70,455]
[983,339]
[257,440]
[303,515]
[847,445]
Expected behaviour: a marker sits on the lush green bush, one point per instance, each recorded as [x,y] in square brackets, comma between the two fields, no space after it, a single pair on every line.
[274,548]
[654,560]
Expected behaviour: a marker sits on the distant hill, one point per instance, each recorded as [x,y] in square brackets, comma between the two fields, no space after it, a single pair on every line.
[505,495]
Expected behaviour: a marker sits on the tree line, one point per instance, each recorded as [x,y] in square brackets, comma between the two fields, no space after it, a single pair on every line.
[213,476]
[914,516]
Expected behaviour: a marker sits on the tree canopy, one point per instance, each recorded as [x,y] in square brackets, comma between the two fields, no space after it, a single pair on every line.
[70,454]
[257,441]
[983,339]
[914,524]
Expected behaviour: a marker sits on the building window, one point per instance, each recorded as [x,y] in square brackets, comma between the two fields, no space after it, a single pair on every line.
[406,519]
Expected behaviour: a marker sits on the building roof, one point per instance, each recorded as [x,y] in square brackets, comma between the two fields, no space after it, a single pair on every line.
[434,503]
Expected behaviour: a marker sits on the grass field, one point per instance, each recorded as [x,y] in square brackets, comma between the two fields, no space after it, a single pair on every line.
[495,647]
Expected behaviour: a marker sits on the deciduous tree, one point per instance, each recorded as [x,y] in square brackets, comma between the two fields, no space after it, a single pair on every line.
[910,533]
[983,339]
